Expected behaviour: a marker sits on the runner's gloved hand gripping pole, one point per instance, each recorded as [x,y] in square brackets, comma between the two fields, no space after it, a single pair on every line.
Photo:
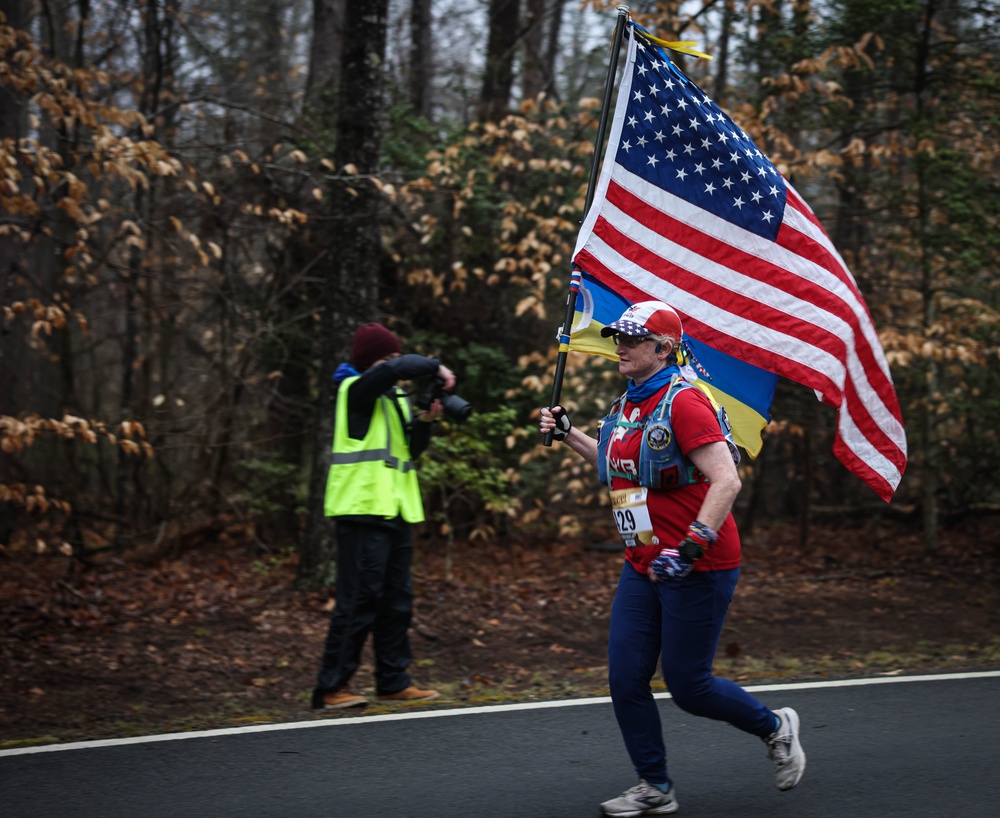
[563,423]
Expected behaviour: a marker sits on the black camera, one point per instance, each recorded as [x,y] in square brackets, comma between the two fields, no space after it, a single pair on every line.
[455,407]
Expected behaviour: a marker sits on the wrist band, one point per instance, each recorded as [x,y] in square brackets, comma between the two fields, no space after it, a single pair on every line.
[702,534]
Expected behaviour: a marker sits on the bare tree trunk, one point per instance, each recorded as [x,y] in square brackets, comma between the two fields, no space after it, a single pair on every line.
[325,56]
[420,57]
[722,64]
[12,122]
[291,350]
[542,23]
[498,79]
[351,283]
[553,45]
[133,402]
[931,447]
[272,65]
[533,80]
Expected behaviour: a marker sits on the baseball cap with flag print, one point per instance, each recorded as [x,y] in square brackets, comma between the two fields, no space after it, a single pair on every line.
[646,318]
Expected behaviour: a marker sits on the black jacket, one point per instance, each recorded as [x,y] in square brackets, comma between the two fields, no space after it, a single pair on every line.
[377,381]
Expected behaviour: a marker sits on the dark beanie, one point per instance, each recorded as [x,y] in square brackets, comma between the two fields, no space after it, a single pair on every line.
[372,342]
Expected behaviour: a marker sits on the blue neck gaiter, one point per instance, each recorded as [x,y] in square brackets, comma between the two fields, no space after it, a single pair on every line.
[637,393]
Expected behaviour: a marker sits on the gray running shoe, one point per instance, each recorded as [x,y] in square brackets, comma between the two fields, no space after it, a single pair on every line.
[784,749]
[642,799]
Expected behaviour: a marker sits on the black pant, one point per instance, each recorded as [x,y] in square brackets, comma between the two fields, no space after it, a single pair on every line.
[374,595]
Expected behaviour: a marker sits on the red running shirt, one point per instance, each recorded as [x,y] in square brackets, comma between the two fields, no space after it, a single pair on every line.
[671,511]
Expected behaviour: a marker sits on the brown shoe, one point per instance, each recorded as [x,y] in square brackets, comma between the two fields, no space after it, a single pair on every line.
[410,694]
[341,699]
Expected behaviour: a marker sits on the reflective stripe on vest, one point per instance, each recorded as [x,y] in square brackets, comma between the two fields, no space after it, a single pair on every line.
[375,454]
[383,454]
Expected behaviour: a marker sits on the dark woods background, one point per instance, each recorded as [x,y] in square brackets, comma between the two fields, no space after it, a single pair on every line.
[199,201]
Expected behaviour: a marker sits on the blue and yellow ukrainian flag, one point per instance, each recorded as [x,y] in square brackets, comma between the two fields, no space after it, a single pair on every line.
[744,390]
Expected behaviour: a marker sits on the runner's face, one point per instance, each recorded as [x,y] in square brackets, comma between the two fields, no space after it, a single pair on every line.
[641,361]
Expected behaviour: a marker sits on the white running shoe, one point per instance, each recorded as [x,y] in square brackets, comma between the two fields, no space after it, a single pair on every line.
[784,749]
[642,799]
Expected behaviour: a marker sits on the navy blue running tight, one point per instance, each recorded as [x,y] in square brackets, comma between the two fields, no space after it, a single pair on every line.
[680,621]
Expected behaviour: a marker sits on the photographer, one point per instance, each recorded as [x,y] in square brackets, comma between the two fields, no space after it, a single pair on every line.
[373,495]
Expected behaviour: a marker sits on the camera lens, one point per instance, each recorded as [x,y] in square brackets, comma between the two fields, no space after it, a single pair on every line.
[457,407]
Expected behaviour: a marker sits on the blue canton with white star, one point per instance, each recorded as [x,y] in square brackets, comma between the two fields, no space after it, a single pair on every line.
[678,139]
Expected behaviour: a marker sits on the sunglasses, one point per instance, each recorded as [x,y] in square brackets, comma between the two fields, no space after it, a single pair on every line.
[629,341]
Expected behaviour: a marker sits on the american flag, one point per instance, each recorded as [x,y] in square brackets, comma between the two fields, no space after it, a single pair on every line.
[689,211]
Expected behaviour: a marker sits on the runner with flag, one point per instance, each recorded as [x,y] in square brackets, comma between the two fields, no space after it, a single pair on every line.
[704,273]
[667,456]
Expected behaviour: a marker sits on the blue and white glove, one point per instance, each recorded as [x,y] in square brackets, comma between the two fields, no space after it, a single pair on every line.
[674,564]
[669,566]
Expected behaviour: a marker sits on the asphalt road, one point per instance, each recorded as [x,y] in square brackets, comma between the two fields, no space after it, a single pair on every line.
[920,747]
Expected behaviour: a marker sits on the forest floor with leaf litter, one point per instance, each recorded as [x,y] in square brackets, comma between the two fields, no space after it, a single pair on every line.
[216,637]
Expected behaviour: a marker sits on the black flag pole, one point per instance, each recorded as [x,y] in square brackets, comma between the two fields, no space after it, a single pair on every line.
[567,325]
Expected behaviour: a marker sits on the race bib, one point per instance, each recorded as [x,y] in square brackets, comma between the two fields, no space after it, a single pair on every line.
[632,517]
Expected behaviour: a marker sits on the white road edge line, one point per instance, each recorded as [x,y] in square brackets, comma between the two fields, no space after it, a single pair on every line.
[466,711]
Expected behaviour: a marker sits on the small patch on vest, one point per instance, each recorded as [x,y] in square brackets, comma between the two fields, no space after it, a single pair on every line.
[670,477]
[658,437]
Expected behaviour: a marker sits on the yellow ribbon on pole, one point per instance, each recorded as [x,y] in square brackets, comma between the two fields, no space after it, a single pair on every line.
[683,46]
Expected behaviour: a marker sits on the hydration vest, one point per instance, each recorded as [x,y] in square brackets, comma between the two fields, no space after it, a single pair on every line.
[661,464]
[374,475]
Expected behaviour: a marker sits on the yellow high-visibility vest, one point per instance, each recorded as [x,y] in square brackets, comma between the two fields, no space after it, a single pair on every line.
[374,475]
